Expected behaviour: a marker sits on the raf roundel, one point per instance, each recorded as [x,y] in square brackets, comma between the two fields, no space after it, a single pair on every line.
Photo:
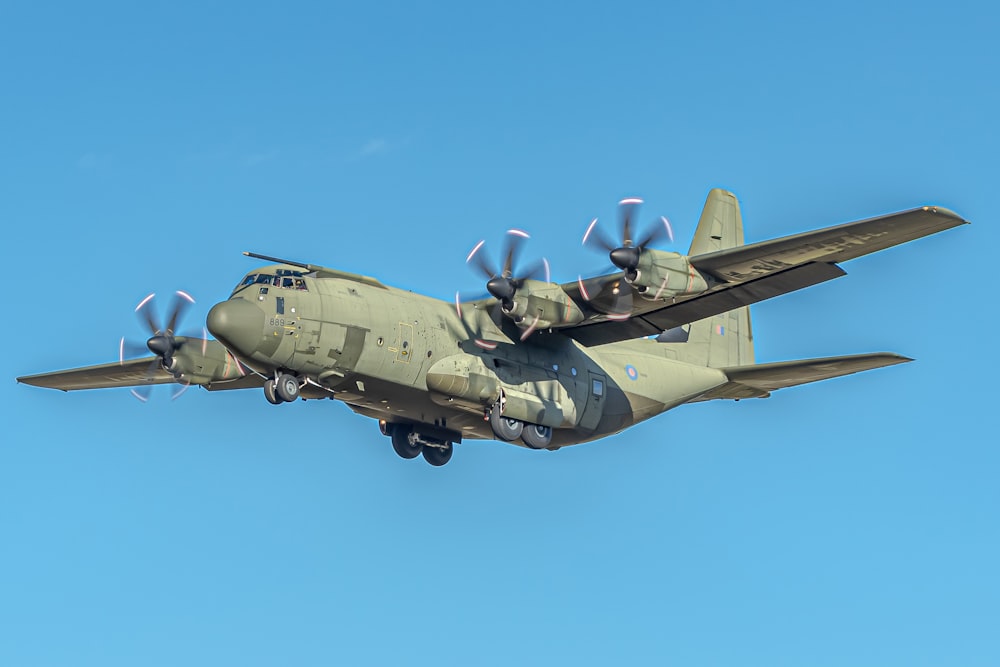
[631,372]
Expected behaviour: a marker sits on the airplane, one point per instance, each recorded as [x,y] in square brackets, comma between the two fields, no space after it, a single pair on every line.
[534,363]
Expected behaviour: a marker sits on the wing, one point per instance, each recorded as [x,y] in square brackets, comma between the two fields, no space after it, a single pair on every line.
[206,363]
[132,373]
[831,245]
[744,275]
[224,374]
[759,381]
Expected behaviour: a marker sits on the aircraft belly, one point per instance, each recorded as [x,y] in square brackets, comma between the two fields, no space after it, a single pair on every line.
[379,399]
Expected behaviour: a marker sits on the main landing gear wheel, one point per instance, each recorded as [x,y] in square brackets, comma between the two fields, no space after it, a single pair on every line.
[271,393]
[505,428]
[537,437]
[438,456]
[401,442]
[287,387]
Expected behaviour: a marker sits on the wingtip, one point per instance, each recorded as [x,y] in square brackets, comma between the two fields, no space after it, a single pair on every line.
[898,358]
[947,212]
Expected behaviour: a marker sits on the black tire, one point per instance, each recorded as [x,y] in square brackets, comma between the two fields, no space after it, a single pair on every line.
[505,428]
[287,387]
[271,393]
[438,456]
[537,437]
[401,442]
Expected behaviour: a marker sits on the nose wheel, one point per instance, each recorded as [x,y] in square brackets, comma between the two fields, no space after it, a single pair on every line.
[283,390]
[271,393]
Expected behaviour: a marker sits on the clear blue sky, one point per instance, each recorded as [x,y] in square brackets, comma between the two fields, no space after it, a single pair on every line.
[145,145]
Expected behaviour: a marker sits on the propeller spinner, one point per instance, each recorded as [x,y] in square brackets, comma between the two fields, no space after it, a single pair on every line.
[626,255]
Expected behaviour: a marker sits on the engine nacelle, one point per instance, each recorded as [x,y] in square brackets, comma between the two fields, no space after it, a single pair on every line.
[665,275]
[198,361]
[541,305]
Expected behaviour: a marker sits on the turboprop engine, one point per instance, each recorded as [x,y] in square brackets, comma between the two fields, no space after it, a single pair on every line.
[657,274]
[539,305]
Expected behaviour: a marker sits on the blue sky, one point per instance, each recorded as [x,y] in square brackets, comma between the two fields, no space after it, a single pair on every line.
[144,146]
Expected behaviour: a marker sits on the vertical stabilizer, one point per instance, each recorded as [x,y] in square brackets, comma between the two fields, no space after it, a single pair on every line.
[727,339]
[720,226]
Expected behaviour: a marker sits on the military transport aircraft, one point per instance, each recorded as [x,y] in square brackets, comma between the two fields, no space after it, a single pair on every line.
[534,363]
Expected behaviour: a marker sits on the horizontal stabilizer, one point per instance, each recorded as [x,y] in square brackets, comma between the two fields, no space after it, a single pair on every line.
[758,381]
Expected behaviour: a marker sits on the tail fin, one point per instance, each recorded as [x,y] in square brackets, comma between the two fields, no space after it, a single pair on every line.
[723,340]
[720,226]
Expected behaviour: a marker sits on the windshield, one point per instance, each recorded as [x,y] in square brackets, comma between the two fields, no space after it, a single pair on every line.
[283,279]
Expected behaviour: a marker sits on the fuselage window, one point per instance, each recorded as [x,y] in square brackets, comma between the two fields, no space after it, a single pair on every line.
[264,279]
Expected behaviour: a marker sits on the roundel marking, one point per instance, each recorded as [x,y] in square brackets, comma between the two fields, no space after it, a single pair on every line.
[631,372]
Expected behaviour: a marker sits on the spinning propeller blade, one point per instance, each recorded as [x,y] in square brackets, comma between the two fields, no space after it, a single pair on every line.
[162,341]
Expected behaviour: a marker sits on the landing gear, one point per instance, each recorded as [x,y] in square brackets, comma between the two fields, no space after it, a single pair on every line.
[271,393]
[287,387]
[537,437]
[284,389]
[505,428]
[401,441]
[509,429]
[410,443]
[438,456]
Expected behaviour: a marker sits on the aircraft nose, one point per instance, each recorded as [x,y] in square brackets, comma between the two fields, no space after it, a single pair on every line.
[238,324]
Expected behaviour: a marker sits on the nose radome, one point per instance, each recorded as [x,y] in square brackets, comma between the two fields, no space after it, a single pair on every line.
[238,324]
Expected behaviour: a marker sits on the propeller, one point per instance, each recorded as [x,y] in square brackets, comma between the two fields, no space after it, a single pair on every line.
[162,341]
[625,255]
[502,282]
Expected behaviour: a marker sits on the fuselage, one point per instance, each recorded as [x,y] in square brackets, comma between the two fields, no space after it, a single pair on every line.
[406,358]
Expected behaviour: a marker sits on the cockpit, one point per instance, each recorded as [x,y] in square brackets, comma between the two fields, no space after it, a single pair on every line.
[281,278]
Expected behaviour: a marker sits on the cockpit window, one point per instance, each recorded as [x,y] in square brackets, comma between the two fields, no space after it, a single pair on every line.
[284,279]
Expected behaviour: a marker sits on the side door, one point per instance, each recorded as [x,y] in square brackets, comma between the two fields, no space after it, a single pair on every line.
[596,398]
